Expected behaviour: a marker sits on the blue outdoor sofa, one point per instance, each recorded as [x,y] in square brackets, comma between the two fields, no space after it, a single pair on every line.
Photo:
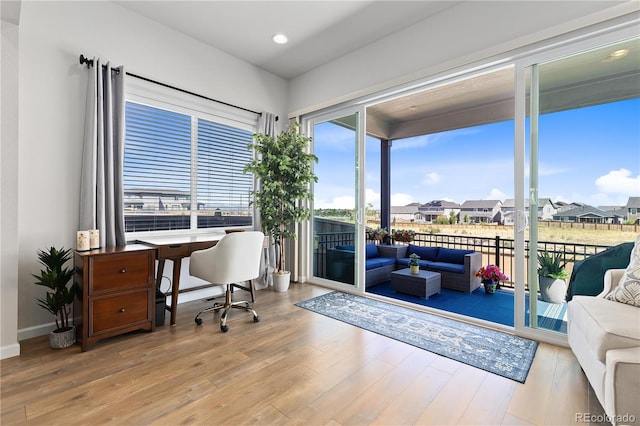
[456,267]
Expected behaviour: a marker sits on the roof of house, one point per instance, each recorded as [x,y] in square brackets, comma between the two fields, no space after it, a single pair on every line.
[477,204]
[410,209]
[585,210]
[633,202]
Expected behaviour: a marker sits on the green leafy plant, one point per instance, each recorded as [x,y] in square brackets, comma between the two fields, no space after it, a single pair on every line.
[56,277]
[413,259]
[376,234]
[285,170]
[551,265]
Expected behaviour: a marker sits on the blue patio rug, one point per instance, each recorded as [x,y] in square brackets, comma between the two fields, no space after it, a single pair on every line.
[497,307]
[499,353]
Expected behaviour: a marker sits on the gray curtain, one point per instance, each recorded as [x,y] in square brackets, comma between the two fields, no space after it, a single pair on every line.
[101,195]
[267,126]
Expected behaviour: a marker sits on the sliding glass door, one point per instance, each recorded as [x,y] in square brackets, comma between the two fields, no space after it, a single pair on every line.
[582,152]
[337,212]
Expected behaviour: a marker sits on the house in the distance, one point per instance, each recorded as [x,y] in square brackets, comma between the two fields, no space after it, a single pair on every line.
[431,210]
[633,210]
[481,211]
[408,213]
[587,214]
[546,210]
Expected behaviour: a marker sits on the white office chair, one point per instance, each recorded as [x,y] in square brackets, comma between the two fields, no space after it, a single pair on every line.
[235,258]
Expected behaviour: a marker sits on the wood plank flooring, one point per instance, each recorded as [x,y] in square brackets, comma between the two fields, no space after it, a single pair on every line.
[293,367]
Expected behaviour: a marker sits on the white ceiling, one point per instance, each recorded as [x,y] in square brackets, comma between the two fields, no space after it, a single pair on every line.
[318,31]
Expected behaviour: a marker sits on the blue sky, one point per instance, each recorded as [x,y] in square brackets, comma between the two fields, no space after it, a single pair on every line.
[589,155]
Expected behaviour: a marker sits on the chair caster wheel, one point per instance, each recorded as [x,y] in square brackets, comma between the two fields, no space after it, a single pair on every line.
[198,321]
[256,319]
[224,328]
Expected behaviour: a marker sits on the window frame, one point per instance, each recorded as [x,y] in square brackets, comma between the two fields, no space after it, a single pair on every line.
[156,96]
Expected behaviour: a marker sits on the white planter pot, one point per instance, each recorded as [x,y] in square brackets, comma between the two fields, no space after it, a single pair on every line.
[62,339]
[553,290]
[281,281]
[415,269]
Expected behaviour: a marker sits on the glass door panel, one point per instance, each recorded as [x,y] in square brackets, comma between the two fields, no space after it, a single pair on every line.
[583,151]
[336,216]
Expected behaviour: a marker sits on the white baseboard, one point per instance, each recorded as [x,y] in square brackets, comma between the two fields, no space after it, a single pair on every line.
[35,331]
[10,351]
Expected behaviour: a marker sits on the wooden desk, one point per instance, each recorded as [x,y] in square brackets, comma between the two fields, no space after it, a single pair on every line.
[176,248]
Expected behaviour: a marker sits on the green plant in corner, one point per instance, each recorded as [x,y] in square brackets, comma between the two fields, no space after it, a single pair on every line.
[552,266]
[413,259]
[284,168]
[56,277]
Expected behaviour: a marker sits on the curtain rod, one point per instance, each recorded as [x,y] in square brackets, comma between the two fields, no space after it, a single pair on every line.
[89,62]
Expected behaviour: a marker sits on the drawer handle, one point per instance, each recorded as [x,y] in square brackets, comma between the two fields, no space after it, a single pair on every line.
[175,245]
[123,271]
[122,310]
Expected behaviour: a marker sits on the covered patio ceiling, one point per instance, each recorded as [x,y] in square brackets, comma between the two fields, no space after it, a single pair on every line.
[589,78]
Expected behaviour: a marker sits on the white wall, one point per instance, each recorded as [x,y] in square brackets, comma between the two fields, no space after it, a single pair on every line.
[51,115]
[8,175]
[465,33]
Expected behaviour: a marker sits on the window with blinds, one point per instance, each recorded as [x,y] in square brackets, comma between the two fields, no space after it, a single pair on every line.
[184,172]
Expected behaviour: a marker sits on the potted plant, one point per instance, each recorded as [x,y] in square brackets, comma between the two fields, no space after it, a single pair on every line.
[56,277]
[285,170]
[491,276]
[413,263]
[403,235]
[552,275]
[377,234]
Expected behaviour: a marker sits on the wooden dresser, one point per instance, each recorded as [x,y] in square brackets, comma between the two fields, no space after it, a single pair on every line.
[116,292]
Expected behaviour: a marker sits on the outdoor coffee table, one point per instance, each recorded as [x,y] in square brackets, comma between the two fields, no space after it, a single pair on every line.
[422,284]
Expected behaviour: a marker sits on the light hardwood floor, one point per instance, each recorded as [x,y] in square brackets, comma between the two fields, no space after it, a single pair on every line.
[293,367]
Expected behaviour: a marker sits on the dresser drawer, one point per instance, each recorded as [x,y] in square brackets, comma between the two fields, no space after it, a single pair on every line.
[118,311]
[119,271]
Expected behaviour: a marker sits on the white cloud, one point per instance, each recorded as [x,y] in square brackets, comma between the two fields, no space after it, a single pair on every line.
[373,197]
[496,194]
[431,178]
[619,182]
[400,199]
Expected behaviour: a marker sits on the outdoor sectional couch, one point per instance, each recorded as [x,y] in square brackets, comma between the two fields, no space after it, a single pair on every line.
[456,267]
[378,265]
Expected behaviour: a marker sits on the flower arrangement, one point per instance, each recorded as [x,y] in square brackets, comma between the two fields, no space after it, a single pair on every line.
[403,235]
[376,234]
[491,274]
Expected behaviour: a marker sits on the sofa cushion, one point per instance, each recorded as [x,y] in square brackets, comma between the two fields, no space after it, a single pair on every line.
[446,267]
[425,253]
[447,255]
[379,262]
[371,250]
[628,289]
[604,324]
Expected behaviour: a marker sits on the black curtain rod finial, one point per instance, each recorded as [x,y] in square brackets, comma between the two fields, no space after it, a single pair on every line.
[87,61]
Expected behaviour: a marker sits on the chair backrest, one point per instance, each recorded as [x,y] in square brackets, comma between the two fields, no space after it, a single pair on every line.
[236,257]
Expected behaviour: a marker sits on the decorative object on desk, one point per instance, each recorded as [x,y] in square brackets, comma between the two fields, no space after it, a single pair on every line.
[413,263]
[94,239]
[552,277]
[491,276]
[56,277]
[493,351]
[284,169]
[82,241]
[377,234]
[403,235]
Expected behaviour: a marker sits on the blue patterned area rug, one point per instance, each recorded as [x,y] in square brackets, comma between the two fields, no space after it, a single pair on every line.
[499,353]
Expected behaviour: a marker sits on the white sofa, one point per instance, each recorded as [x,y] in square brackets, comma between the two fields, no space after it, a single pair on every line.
[604,335]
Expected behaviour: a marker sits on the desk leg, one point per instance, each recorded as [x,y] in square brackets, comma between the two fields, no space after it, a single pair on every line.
[159,273]
[177,263]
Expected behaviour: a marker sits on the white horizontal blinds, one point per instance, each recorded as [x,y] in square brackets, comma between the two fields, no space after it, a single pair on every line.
[157,169]
[223,189]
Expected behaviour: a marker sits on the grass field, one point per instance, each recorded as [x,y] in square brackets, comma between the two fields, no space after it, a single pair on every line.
[603,237]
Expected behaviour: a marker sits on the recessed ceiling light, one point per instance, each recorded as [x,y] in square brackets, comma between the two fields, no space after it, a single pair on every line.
[279,38]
